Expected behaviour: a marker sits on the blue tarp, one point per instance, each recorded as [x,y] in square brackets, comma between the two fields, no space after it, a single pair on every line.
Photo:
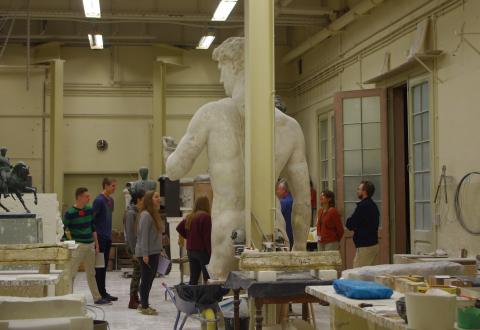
[362,289]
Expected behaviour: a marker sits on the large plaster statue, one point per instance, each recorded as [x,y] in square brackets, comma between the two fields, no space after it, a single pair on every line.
[219,126]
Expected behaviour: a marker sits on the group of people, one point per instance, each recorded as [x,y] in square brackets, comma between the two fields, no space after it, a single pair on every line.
[91,228]
[364,222]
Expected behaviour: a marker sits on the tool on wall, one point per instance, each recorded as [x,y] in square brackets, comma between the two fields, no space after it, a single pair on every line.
[443,180]
[464,182]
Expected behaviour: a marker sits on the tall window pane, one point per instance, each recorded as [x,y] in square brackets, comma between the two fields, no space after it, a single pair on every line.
[362,147]
[421,156]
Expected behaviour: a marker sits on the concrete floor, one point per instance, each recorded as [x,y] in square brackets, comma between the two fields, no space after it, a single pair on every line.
[120,317]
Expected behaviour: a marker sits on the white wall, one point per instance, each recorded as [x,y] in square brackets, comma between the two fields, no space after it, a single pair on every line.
[357,54]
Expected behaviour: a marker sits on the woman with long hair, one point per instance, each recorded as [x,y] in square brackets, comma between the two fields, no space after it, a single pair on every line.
[196,228]
[149,246]
[329,225]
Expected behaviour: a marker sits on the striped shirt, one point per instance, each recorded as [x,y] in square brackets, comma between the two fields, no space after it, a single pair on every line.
[80,224]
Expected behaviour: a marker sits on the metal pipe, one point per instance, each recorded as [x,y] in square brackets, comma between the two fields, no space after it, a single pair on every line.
[336,26]
[304,12]
[28,46]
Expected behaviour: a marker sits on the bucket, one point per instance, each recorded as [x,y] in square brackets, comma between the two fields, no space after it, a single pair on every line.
[244,322]
[100,325]
[427,312]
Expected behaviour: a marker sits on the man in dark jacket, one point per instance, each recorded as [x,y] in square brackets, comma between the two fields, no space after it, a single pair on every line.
[364,223]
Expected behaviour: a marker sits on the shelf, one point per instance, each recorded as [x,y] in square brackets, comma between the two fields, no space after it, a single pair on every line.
[414,61]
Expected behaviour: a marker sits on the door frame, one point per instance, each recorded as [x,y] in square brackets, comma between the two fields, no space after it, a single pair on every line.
[398,111]
[384,231]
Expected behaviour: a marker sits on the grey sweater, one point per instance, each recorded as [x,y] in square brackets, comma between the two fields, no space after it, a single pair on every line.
[149,241]
[129,226]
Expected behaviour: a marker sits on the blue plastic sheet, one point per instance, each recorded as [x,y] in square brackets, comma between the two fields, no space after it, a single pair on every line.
[362,289]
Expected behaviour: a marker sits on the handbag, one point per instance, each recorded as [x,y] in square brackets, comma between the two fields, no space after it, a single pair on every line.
[164,265]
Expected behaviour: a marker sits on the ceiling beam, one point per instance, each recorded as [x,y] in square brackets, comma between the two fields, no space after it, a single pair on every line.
[156,18]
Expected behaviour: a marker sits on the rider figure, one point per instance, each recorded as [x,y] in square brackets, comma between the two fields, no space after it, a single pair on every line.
[5,168]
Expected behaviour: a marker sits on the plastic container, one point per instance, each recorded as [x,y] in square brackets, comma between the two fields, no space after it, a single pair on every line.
[468,318]
[430,312]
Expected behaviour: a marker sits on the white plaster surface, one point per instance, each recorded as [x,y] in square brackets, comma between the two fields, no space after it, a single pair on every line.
[47,209]
[17,308]
[59,323]
[219,126]
[383,312]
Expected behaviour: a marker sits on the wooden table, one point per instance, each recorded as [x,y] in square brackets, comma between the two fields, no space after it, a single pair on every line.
[382,315]
[116,246]
[288,288]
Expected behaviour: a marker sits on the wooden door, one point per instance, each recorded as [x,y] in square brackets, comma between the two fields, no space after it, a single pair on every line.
[362,154]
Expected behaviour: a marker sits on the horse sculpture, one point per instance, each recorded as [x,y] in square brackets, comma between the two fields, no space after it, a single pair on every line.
[14,182]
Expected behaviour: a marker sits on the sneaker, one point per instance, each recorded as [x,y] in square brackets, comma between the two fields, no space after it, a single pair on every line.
[111,298]
[148,311]
[103,301]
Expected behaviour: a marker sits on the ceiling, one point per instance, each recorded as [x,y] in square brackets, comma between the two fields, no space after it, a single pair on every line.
[144,22]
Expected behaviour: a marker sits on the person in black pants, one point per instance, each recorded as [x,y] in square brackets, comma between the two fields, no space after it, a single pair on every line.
[149,246]
[103,206]
[196,228]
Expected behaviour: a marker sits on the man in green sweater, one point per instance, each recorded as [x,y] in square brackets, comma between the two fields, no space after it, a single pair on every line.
[78,224]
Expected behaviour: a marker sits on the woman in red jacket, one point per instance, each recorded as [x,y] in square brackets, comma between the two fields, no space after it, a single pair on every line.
[196,228]
[329,225]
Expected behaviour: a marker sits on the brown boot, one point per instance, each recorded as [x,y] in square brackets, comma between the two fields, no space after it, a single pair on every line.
[133,304]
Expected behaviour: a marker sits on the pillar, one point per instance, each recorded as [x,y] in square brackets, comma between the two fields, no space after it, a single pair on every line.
[259,120]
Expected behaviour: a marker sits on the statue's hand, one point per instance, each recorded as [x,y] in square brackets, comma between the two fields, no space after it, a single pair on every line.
[169,146]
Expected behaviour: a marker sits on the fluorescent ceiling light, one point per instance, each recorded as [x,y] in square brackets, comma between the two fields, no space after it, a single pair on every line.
[224,9]
[92,8]
[96,41]
[206,41]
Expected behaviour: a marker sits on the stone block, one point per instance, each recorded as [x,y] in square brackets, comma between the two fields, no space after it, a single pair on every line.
[19,308]
[290,261]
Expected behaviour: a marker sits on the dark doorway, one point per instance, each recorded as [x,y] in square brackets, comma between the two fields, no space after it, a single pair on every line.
[401,173]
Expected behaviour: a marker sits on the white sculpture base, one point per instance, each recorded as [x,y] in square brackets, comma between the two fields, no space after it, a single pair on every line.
[47,209]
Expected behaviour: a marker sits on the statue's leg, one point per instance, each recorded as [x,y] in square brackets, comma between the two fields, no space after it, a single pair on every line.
[223,259]
[34,191]
[23,202]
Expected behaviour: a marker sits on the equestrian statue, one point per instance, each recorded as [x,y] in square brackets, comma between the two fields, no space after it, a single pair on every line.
[14,180]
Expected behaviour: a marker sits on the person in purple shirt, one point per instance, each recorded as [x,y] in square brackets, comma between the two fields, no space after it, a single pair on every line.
[103,206]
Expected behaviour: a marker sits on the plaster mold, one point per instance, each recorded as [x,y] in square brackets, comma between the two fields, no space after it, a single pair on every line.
[424,269]
[219,126]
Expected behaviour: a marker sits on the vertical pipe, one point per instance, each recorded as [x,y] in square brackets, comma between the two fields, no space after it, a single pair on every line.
[28,45]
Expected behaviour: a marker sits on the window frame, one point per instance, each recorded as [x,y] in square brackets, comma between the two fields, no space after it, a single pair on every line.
[412,83]
[329,117]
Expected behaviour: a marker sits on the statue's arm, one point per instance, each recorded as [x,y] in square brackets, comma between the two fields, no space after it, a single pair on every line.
[192,143]
[299,183]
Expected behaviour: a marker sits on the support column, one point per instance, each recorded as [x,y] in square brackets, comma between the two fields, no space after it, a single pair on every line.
[159,118]
[56,128]
[259,120]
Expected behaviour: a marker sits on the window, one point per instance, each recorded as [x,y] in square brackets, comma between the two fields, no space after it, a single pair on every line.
[420,147]
[361,148]
[326,142]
